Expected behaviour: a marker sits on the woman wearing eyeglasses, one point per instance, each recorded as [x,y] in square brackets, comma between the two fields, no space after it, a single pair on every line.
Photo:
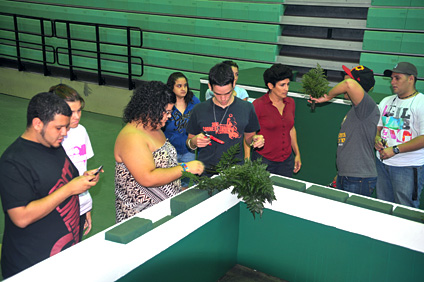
[147,170]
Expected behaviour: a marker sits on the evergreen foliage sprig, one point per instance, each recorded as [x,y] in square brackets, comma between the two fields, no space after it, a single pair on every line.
[250,181]
[315,83]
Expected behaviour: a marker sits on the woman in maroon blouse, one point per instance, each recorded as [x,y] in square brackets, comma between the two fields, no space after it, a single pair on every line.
[275,112]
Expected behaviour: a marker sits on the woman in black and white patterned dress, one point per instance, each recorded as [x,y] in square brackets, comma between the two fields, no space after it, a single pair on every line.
[146,169]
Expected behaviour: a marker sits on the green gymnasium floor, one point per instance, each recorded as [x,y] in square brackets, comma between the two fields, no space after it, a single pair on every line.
[102,130]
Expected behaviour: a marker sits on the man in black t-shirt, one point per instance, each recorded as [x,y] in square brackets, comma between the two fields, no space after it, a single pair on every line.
[225,117]
[39,188]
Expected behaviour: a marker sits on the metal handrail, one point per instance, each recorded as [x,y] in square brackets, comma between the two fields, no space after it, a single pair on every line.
[17,31]
[70,38]
[98,54]
[62,50]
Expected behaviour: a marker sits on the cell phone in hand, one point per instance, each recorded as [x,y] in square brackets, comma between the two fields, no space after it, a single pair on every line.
[98,170]
[384,142]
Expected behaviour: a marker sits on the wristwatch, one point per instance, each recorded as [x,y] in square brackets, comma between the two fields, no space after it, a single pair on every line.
[396,150]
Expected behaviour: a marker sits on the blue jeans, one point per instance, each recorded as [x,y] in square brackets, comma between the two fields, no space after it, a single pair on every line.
[400,184]
[358,185]
[184,158]
[284,168]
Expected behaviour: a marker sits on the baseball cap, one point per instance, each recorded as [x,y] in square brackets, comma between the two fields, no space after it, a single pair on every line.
[403,67]
[363,75]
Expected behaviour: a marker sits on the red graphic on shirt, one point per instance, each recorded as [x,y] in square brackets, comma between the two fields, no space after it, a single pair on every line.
[68,211]
[229,128]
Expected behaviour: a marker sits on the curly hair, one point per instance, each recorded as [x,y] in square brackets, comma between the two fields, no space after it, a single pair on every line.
[277,72]
[46,106]
[148,102]
[171,83]
[67,93]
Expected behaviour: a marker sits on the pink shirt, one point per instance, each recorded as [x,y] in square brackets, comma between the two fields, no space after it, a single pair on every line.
[275,128]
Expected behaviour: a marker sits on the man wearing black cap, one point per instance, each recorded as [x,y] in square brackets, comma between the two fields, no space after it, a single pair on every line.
[399,141]
[355,152]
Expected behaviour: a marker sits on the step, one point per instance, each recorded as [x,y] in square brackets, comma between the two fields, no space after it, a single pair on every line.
[312,63]
[320,43]
[324,22]
[336,3]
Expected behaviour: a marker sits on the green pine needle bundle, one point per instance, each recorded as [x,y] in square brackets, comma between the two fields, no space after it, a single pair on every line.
[315,83]
[250,181]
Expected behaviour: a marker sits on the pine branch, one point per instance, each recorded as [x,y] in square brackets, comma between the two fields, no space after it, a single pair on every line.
[315,82]
[251,181]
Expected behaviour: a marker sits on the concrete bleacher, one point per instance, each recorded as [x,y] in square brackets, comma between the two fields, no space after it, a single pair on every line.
[381,62]
[193,35]
[395,18]
[375,33]
[189,37]
[395,33]
[394,42]
[327,32]
[249,11]
[400,3]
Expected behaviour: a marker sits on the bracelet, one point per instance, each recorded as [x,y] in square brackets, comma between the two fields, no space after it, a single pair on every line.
[184,166]
[189,145]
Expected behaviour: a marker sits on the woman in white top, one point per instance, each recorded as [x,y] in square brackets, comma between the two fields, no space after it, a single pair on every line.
[78,148]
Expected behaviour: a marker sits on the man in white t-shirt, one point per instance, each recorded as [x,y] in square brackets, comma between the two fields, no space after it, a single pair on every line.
[400,139]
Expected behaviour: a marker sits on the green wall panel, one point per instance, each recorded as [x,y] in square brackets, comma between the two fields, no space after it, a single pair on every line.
[400,3]
[181,61]
[261,52]
[161,74]
[420,87]
[155,58]
[417,61]
[234,9]
[208,28]
[417,3]
[161,5]
[255,11]
[211,8]
[298,250]
[26,25]
[169,42]
[252,11]
[382,85]
[159,49]
[413,43]
[204,255]
[391,18]
[378,62]
[159,23]
[207,46]
[415,19]
[317,139]
[204,64]
[27,54]
[186,7]
[382,41]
